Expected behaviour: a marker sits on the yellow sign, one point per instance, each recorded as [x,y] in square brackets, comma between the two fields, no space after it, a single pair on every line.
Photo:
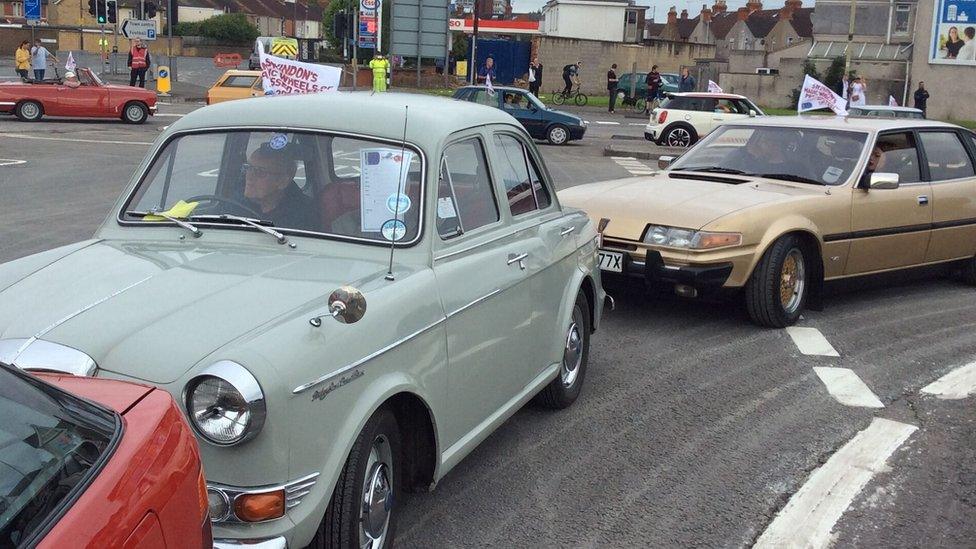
[285,47]
[162,80]
[461,69]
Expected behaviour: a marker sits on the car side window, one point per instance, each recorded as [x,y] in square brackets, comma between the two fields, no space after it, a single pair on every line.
[523,185]
[465,199]
[482,97]
[946,155]
[899,155]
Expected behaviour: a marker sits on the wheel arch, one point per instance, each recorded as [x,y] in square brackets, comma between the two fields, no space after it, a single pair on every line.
[420,449]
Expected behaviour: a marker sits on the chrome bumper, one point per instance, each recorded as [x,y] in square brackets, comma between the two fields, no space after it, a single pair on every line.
[272,543]
[153,109]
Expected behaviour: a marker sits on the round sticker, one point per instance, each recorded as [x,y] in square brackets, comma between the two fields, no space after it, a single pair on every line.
[398,206]
[394,229]
[278,141]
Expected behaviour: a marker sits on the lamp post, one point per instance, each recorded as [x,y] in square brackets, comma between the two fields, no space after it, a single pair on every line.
[850,41]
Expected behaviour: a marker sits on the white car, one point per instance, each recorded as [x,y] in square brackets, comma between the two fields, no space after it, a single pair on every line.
[684,118]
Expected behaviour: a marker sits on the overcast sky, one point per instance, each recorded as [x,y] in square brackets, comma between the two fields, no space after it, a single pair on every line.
[659,8]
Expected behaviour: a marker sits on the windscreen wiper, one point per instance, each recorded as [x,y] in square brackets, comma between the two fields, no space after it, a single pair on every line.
[197,233]
[712,169]
[789,177]
[262,225]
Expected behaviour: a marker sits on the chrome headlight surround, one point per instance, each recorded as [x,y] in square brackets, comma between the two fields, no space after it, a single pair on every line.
[246,397]
[689,239]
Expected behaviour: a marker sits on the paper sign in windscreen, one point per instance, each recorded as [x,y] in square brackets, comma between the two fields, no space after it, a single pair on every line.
[381,178]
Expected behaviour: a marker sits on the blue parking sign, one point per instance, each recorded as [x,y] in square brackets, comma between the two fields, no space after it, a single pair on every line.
[150,34]
[32,10]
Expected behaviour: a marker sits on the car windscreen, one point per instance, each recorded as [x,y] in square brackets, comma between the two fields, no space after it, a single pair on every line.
[313,183]
[51,444]
[804,155]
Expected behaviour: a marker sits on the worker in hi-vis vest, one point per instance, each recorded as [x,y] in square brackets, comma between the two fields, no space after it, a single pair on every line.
[380,66]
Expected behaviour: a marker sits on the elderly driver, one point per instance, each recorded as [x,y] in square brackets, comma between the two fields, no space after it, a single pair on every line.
[269,186]
[71,80]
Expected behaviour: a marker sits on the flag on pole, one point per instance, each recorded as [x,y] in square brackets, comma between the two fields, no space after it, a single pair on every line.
[282,76]
[714,88]
[816,95]
[70,65]
[491,89]
[892,102]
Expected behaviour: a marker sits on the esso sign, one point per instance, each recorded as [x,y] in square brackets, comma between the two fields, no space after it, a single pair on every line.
[369,4]
[455,24]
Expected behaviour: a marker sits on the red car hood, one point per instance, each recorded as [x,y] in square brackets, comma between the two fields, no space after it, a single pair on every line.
[116,395]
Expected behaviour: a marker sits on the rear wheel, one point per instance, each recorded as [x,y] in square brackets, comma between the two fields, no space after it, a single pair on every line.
[135,113]
[29,111]
[558,98]
[777,290]
[563,391]
[680,136]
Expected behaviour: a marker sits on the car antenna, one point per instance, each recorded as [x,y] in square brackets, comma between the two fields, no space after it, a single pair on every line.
[396,209]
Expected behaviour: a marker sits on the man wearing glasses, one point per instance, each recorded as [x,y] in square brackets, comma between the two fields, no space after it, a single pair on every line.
[269,186]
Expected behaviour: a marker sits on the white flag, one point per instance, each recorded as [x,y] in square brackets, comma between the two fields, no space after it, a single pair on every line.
[287,77]
[892,102]
[491,89]
[816,95]
[69,65]
[714,88]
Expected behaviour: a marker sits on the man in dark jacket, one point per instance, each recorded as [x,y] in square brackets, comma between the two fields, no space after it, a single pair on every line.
[535,76]
[687,82]
[653,88]
[612,81]
[570,73]
[921,97]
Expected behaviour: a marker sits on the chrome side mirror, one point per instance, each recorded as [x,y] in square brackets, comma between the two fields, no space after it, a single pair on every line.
[883,181]
[346,304]
[664,162]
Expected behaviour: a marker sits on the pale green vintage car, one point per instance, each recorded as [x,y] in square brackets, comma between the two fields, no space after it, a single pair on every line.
[346,302]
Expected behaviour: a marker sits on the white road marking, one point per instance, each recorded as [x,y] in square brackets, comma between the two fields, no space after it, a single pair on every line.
[170,115]
[92,141]
[811,342]
[632,165]
[11,162]
[811,513]
[637,124]
[957,384]
[845,386]
[607,123]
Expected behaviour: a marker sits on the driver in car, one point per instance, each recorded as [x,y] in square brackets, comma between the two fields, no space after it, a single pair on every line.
[770,152]
[270,189]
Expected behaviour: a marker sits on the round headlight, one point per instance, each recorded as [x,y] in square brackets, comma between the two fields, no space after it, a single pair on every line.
[225,404]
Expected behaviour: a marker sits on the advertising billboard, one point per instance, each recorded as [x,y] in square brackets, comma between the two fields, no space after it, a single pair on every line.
[953,33]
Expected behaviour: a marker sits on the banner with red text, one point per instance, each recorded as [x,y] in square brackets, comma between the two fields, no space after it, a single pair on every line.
[816,95]
[287,77]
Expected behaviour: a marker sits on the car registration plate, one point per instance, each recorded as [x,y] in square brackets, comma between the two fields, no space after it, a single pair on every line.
[611,261]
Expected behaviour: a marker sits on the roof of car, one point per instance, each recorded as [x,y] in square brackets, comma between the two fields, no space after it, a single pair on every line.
[380,115]
[496,88]
[710,95]
[842,122]
[240,72]
[885,108]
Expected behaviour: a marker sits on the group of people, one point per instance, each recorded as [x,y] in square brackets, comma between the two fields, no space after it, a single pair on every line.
[654,86]
[35,58]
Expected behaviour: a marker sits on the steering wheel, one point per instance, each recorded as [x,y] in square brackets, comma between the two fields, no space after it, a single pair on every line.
[223,200]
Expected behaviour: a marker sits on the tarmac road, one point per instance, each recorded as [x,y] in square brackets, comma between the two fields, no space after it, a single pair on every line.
[694,429]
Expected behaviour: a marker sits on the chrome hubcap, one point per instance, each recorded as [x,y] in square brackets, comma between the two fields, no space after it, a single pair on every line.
[30,110]
[679,137]
[134,113]
[792,281]
[572,355]
[374,518]
[558,135]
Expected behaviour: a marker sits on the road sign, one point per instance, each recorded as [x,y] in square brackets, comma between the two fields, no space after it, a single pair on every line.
[162,80]
[419,28]
[138,28]
[32,10]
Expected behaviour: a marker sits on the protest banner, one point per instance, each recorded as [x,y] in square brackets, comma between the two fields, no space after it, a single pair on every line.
[287,77]
[816,95]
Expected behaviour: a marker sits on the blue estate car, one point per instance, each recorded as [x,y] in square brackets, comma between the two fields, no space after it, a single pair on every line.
[540,121]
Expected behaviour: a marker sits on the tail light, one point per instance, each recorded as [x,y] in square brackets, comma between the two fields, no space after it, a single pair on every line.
[663,117]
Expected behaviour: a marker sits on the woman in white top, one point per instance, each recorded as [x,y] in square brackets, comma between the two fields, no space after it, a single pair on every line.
[858,89]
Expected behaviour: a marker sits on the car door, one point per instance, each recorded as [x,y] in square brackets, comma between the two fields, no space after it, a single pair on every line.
[527,113]
[953,200]
[891,227]
[477,263]
[88,99]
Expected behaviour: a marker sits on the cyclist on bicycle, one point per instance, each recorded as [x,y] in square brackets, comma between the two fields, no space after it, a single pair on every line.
[571,76]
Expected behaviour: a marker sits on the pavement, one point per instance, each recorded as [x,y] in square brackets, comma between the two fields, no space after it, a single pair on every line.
[694,428]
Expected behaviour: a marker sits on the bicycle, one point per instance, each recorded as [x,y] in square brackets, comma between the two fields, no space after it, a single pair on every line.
[560,98]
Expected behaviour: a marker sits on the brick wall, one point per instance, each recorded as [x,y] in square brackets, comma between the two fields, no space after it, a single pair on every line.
[597,56]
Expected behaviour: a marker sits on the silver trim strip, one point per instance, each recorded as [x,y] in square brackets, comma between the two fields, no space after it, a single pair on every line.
[8,103]
[485,297]
[365,359]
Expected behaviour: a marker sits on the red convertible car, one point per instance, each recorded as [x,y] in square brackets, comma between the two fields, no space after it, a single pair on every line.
[32,99]
[97,463]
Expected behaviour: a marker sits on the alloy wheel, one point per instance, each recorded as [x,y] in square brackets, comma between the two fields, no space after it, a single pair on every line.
[679,137]
[792,281]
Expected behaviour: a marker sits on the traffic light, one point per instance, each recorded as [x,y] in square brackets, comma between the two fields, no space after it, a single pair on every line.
[150,10]
[112,7]
[100,12]
[91,7]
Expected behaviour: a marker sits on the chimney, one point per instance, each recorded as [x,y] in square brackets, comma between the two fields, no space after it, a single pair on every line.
[742,13]
[719,7]
[795,4]
[786,12]
[753,5]
[684,14]
[706,14]
[672,16]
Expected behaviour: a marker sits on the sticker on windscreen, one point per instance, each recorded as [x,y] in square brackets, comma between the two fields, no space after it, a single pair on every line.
[394,229]
[832,174]
[278,141]
[398,203]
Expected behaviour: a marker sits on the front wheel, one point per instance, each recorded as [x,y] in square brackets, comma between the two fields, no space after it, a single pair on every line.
[580,100]
[135,113]
[777,290]
[557,134]
[563,391]
[363,511]
[558,98]
[640,105]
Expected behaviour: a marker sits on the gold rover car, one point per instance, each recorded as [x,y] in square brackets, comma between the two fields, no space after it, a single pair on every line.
[777,206]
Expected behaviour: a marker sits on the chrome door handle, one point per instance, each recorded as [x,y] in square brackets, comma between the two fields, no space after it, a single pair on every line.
[518,258]
[566,231]
[923,200]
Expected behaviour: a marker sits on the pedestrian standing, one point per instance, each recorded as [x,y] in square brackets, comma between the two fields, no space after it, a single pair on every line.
[687,82]
[653,88]
[39,55]
[22,59]
[487,71]
[921,98]
[139,61]
[380,66]
[612,81]
[858,90]
[535,76]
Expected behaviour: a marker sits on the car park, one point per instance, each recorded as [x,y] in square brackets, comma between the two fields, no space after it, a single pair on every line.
[94,462]
[31,100]
[769,209]
[556,127]
[684,118]
[236,84]
[885,111]
[422,284]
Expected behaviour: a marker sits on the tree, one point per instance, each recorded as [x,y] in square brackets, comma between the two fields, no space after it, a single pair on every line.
[228,28]
[328,19]
[460,46]
[835,73]
[809,67]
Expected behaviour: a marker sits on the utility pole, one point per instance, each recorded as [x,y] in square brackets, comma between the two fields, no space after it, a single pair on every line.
[473,68]
[355,47]
[850,42]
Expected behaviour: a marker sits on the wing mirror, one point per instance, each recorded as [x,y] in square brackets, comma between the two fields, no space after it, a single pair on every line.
[753,113]
[664,162]
[883,181]
[346,304]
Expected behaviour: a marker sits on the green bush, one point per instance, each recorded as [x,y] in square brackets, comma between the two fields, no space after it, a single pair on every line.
[186,29]
[229,28]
